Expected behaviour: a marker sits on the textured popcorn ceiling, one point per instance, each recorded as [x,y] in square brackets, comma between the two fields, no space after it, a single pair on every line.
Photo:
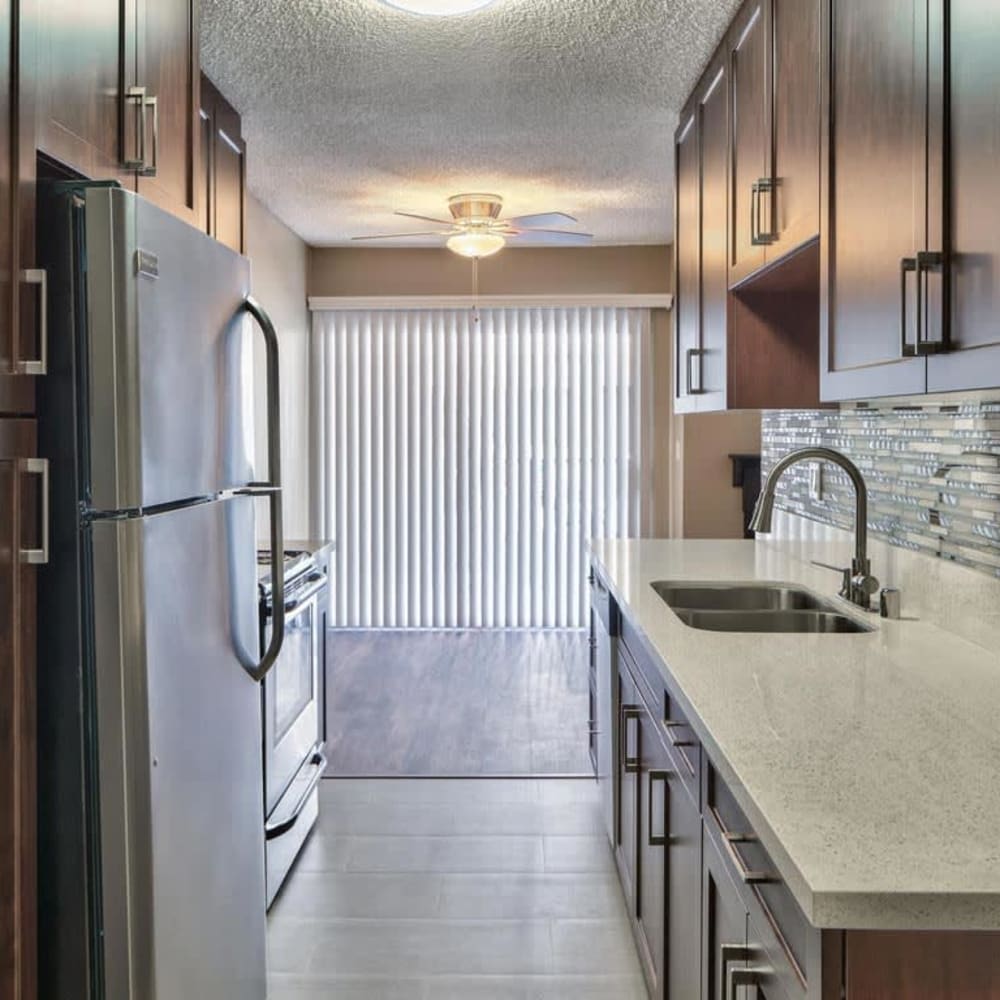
[352,109]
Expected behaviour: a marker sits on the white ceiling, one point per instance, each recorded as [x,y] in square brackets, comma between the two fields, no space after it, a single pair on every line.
[352,109]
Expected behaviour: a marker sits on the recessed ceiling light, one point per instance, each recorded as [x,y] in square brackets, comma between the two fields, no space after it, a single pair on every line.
[439,8]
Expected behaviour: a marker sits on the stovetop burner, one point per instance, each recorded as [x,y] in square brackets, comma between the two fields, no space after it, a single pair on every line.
[297,563]
[264,556]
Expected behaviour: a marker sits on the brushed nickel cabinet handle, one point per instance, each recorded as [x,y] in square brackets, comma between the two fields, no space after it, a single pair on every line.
[907,266]
[38,467]
[670,725]
[36,366]
[927,260]
[629,713]
[136,96]
[656,839]
[742,977]
[689,355]
[758,236]
[729,841]
[149,169]
[729,953]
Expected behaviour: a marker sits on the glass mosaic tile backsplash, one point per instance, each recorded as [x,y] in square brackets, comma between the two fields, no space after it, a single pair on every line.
[932,469]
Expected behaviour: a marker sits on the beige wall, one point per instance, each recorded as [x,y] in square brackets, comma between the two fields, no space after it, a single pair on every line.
[694,496]
[704,503]
[279,263]
[351,271]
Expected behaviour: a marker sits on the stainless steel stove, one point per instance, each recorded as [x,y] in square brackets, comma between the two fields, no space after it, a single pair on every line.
[292,707]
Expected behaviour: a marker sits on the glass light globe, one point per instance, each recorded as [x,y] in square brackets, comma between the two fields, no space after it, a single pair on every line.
[439,8]
[476,244]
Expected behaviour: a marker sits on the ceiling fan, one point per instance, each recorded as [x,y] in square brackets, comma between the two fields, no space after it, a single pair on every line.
[476,229]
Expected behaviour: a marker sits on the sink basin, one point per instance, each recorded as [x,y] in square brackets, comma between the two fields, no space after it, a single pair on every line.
[754,607]
[770,621]
[739,597]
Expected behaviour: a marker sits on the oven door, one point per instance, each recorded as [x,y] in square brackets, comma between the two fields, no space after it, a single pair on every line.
[292,710]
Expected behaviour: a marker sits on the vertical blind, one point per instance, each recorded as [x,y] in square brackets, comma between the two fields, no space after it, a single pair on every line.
[463,460]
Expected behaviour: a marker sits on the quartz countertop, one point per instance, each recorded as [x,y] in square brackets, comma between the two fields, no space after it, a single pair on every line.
[868,764]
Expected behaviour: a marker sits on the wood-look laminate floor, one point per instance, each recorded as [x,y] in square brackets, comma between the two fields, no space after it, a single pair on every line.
[486,889]
[457,703]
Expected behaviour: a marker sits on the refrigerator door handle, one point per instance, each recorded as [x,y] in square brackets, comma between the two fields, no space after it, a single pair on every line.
[271,488]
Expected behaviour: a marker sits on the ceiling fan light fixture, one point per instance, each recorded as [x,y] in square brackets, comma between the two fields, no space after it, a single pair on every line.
[476,244]
[439,8]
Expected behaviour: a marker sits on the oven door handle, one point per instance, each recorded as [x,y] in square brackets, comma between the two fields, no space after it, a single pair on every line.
[283,825]
[305,596]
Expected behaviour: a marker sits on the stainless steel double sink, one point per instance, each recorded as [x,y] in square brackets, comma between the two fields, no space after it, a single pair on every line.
[754,607]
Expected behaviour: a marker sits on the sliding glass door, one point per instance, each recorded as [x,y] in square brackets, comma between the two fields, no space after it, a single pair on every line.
[463,459]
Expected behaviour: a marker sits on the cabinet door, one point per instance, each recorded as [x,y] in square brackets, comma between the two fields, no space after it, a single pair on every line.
[167,67]
[795,29]
[974,311]
[654,834]
[750,143]
[16,390]
[18,537]
[874,195]
[85,64]
[630,711]
[712,377]
[229,166]
[723,924]
[684,873]
[687,261]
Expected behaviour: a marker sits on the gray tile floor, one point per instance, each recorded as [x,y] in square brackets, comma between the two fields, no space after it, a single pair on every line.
[473,702]
[437,889]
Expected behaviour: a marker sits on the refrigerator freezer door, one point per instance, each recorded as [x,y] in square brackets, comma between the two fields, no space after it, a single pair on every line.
[181,782]
[170,359]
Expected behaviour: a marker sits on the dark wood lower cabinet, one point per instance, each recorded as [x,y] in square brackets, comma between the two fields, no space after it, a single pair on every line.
[921,966]
[712,917]
[653,837]
[19,500]
[724,926]
[626,840]
[684,867]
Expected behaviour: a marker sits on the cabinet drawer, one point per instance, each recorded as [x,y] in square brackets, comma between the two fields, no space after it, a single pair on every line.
[780,925]
[674,724]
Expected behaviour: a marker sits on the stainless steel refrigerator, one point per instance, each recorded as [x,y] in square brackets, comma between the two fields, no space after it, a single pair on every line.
[151,843]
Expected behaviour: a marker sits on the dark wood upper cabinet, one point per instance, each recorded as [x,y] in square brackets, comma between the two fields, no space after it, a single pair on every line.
[700,261]
[750,143]
[168,69]
[687,258]
[85,65]
[775,132]
[711,379]
[116,86]
[796,125]
[874,195]
[912,218]
[19,530]
[222,169]
[746,290]
[970,219]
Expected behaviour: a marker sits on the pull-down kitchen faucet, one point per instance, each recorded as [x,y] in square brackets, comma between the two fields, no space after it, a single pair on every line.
[858,584]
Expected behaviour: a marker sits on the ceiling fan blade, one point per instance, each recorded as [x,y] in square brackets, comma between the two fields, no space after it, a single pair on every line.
[553,236]
[537,221]
[426,218]
[398,236]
